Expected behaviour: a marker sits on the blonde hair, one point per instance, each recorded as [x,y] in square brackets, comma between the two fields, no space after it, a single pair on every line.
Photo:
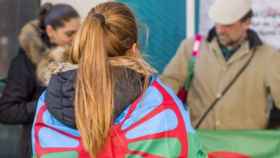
[105,40]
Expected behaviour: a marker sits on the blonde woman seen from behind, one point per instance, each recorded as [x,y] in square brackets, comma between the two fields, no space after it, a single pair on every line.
[113,99]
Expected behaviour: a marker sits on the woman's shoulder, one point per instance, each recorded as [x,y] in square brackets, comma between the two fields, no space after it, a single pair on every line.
[128,86]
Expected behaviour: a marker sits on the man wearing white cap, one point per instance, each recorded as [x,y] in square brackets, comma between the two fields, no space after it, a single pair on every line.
[234,72]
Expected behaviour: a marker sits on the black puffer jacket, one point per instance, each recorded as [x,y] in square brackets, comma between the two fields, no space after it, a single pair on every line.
[60,93]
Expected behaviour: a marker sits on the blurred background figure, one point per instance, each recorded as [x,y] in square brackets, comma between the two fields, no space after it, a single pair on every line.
[234,73]
[55,26]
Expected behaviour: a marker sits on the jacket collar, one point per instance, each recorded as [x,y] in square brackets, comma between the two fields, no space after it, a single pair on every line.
[246,48]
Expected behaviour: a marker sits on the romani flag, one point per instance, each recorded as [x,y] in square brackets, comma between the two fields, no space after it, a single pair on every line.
[156,125]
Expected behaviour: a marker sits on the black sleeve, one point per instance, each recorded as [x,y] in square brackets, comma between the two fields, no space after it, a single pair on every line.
[18,104]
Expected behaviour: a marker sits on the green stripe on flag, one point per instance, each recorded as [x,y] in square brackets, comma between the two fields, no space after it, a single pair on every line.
[69,154]
[166,147]
[66,154]
[256,144]
[195,147]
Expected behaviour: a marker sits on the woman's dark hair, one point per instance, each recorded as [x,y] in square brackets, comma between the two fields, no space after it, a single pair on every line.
[55,16]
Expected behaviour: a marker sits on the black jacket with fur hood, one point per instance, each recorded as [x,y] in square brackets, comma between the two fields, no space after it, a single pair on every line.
[18,101]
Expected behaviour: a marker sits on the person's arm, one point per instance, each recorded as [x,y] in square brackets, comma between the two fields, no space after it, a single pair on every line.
[17,103]
[175,73]
[273,77]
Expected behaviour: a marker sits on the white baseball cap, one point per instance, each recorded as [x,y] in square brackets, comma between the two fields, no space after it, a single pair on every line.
[227,12]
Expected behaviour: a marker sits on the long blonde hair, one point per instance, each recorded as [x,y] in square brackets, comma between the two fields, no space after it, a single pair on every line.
[106,39]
